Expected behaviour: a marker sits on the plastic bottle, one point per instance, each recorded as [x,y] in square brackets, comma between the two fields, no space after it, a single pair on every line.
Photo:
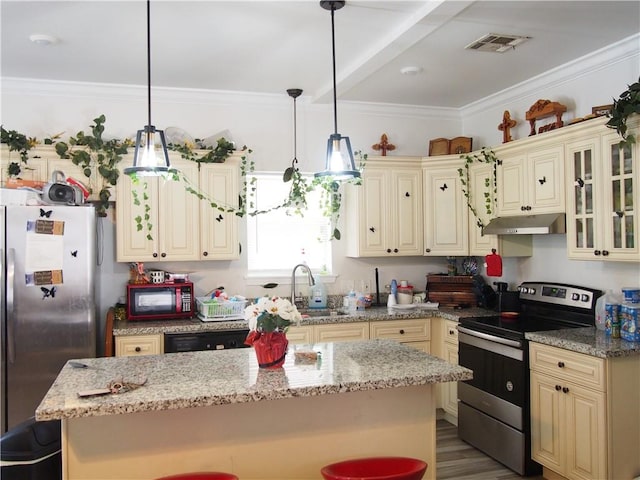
[318,295]
[392,299]
[353,301]
[601,314]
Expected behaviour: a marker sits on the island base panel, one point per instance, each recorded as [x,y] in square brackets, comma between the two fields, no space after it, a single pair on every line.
[291,438]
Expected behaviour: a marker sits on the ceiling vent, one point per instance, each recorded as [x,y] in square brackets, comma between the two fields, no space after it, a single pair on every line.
[496,42]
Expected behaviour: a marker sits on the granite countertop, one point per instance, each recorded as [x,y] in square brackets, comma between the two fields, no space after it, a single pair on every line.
[207,378]
[149,327]
[587,340]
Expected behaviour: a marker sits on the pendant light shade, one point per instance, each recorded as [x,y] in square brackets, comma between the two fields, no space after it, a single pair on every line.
[340,163]
[150,157]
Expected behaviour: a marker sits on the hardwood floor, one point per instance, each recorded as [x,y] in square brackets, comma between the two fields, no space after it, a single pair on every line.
[459,460]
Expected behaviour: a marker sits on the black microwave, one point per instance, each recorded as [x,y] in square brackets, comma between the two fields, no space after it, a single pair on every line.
[157,301]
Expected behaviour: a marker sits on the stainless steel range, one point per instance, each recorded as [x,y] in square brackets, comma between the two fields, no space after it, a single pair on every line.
[493,409]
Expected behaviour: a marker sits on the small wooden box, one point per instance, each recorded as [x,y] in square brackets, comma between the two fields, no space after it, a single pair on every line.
[454,291]
[439,146]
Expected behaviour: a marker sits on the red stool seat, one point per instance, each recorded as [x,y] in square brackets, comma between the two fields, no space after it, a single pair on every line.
[201,476]
[376,468]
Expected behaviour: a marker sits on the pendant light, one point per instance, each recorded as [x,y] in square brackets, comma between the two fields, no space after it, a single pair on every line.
[294,93]
[150,157]
[339,163]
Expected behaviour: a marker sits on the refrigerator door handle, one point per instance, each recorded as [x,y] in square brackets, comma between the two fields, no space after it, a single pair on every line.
[11,340]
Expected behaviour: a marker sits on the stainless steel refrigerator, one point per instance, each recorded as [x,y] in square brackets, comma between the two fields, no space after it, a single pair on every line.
[48,299]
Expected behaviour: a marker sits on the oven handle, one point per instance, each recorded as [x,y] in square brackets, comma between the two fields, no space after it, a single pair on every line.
[491,338]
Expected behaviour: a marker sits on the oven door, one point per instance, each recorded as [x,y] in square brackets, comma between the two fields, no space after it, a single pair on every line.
[500,384]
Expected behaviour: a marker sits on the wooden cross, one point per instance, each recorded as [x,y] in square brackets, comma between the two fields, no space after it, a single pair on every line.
[506,126]
[384,145]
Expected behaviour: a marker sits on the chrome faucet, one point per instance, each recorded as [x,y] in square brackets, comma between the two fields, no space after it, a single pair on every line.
[312,282]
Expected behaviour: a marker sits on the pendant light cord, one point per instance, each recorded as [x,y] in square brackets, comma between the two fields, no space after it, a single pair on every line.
[295,132]
[149,60]
[333,52]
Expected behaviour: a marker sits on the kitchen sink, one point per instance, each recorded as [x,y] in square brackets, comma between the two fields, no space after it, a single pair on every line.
[322,312]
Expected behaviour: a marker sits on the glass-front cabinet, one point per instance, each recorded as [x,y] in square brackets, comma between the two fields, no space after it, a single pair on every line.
[602,211]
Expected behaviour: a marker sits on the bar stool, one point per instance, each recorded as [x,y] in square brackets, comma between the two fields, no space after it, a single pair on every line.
[376,468]
[201,476]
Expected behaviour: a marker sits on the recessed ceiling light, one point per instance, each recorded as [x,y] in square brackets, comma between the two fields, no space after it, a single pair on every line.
[410,70]
[41,39]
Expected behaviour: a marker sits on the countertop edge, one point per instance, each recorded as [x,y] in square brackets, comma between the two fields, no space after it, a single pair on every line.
[589,341]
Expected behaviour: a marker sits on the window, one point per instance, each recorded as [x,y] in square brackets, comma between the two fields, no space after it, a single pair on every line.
[278,240]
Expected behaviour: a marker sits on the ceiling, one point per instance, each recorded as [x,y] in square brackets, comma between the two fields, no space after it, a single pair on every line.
[270,46]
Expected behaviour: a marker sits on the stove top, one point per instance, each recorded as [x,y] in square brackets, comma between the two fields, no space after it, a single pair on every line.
[544,306]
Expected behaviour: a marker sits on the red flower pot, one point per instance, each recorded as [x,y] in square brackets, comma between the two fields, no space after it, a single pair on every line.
[271,349]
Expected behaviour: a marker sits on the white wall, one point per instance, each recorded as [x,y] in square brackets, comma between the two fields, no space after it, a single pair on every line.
[265,123]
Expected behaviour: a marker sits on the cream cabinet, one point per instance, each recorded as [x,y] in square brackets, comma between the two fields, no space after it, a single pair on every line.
[384,214]
[603,185]
[584,413]
[139,345]
[530,179]
[183,226]
[43,160]
[219,229]
[330,332]
[481,179]
[446,216]
[171,211]
[445,346]
[414,333]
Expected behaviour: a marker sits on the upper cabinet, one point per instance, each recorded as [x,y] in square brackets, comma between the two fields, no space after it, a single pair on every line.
[384,214]
[603,182]
[530,179]
[183,226]
[446,216]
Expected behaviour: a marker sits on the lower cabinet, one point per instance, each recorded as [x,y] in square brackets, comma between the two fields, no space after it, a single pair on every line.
[139,345]
[584,413]
[335,332]
[414,333]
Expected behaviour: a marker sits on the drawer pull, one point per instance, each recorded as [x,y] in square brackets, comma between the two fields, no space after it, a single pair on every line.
[451,332]
[561,364]
[401,332]
[138,349]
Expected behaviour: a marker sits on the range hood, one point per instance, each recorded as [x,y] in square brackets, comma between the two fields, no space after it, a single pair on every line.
[527,225]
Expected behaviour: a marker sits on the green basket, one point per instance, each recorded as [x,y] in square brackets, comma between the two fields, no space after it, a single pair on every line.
[219,310]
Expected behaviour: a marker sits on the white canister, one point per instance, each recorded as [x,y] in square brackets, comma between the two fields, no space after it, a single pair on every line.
[405,295]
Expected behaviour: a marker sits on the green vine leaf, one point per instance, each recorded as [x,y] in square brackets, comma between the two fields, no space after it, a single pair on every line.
[487,156]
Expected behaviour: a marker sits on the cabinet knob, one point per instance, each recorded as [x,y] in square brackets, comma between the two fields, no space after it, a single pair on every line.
[561,364]
[155,255]
[597,253]
[138,349]
[407,194]
[523,208]
[542,180]
[401,331]
[620,214]
[565,389]
[451,332]
[558,388]
[388,250]
[605,253]
[163,254]
[205,254]
[395,250]
[579,182]
[528,207]
[428,250]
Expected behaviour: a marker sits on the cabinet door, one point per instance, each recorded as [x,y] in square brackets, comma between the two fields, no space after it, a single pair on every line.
[583,236]
[450,389]
[133,245]
[220,184]
[34,169]
[178,216]
[406,213]
[372,208]
[586,438]
[481,188]
[620,197]
[512,186]
[547,443]
[546,180]
[445,212]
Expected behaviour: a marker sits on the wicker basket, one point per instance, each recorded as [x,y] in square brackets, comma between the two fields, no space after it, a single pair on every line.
[212,311]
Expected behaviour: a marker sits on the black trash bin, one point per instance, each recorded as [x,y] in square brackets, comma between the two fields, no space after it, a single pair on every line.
[31,451]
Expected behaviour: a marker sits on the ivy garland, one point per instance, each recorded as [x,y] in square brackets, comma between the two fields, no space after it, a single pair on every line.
[487,156]
[88,150]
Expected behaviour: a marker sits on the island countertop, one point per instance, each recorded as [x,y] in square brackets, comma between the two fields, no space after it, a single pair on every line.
[207,378]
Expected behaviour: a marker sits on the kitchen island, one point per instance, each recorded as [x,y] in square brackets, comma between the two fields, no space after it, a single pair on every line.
[218,411]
